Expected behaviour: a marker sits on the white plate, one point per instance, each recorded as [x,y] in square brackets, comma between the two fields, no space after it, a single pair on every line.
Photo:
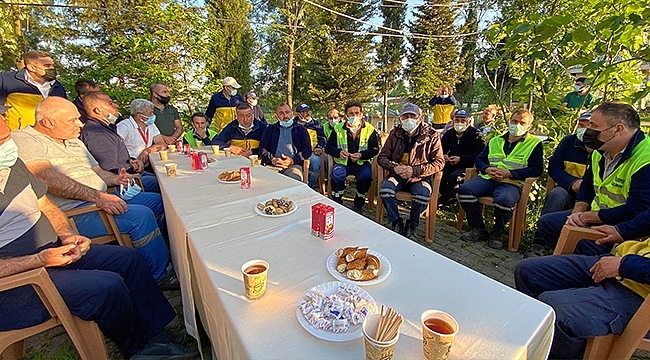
[229,182]
[260,212]
[329,288]
[384,270]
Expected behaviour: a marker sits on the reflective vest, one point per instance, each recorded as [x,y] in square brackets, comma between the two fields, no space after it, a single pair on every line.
[614,189]
[517,159]
[189,137]
[342,140]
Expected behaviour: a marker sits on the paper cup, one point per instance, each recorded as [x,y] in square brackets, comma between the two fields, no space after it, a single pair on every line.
[254,273]
[255,160]
[226,151]
[172,148]
[199,143]
[436,342]
[171,169]
[215,149]
[376,350]
[164,155]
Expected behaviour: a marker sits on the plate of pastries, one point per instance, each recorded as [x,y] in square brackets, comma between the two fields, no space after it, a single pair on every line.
[230,177]
[276,207]
[358,265]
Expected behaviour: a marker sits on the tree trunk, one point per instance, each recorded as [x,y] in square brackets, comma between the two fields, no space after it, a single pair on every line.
[385,119]
[292,44]
[18,31]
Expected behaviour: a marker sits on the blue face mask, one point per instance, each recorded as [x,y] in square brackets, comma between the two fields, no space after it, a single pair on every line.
[131,191]
[580,133]
[150,120]
[577,87]
[8,154]
[286,124]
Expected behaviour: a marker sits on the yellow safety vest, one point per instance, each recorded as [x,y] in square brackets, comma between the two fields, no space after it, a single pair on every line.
[517,159]
[342,140]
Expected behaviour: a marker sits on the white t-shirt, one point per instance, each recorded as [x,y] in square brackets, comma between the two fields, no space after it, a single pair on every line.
[134,139]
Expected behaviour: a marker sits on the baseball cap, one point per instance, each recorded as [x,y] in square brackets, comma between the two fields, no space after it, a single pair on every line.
[3,109]
[230,81]
[251,94]
[302,107]
[461,113]
[410,109]
[585,116]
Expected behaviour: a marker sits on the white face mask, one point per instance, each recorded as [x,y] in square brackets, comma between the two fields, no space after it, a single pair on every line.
[460,127]
[110,118]
[233,92]
[8,154]
[444,96]
[517,130]
[580,133]
[253,102]
[354,121]
[409,125]
[334,122]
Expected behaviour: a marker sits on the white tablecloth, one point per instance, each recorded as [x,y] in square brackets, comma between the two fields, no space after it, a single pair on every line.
[223,232]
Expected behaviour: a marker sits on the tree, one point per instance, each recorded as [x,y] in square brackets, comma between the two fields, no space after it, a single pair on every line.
[390,51]
[435,59]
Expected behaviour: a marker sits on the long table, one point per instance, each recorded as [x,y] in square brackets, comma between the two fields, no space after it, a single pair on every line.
[214,230]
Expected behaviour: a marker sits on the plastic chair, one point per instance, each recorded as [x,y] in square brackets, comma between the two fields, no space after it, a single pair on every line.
[430,214]
[85,335]
[609,346]
[373,185]
[518,219]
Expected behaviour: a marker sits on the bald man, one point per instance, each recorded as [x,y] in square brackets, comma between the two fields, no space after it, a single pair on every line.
[52,152]
[168,120]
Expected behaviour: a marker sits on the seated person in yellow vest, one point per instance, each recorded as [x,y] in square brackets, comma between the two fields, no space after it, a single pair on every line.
[443,104]
[411,155]
[566,167]
[333,119]
[140,134]
[285,144]
[168,120]
[221,109]
[22,90]
[615,186]
[200,134]
[503,165]
[353,144]
[244,134]
[317,137]
[592,295]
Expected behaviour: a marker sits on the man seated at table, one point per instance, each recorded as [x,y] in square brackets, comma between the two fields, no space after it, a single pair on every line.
[411,155]
[353,144]
[333,119]
[52,152]
[140,134]
[614,187]
[200,132]
[285,144]
[242,135]
[461,147]
[100,136]
[592,295]
[317,137]
[83,87]
[504,165]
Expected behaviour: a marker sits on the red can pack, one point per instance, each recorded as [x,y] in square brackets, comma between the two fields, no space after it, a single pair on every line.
[179,145]
[195,161]
[187,149]
[315,219]
[326,221]
[203,160]
[245,175]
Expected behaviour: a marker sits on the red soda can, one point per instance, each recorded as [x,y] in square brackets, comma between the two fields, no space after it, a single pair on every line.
[187,149]
[245,175]
[179,145]
[195,161]
[203,160]
[326,222]
[315,219]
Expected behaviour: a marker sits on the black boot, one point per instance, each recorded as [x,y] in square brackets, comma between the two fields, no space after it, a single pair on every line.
[409,232]
[475,235]
[397,225]
[358,203]
[496,240]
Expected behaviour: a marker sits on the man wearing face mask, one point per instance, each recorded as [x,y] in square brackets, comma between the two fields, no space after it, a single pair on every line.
[168,120]
[615,186]
[22,90]
[252,101]
[579,97]
[221,109]
[353,144]
[504,165]
[443,105]
[243,135]
[411,155]
[100,136]
[285,144]
[140,133]
[333,119]
[200,131]
[461,147]
[317,137]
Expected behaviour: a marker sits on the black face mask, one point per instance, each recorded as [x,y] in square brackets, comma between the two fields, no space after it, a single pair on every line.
[590,138]
[50,74]
[163,99]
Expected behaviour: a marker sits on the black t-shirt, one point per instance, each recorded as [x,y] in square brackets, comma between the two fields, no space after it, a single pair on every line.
[23,227]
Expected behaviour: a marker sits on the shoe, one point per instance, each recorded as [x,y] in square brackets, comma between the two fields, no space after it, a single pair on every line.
[160,351]
[537,250]
[496,240]
[337,199]
[397,225]
[475,235]
[358,202]
[170,282]
[409,233]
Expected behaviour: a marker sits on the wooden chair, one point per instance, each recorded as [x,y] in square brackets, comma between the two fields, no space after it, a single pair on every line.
[373,186]
[322,177]
[305,171]
[113,231]
[430,214]
[85,335]
[550,184]
[518,219]
[609,346]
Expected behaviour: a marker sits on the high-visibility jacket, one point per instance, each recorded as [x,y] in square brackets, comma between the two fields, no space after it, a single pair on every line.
[190,139]
[517,159]
[342,140]
[613,190]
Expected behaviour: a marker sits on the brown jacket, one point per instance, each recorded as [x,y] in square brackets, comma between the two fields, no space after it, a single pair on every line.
[426,157]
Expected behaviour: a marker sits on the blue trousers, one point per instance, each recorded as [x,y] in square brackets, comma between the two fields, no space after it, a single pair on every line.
[449,182]
[549,227]
[421,191]
[110,285]
[150,182]
[314,169]
[141,221]
[505,198]
[362,173]
[558,200]
[583,308]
